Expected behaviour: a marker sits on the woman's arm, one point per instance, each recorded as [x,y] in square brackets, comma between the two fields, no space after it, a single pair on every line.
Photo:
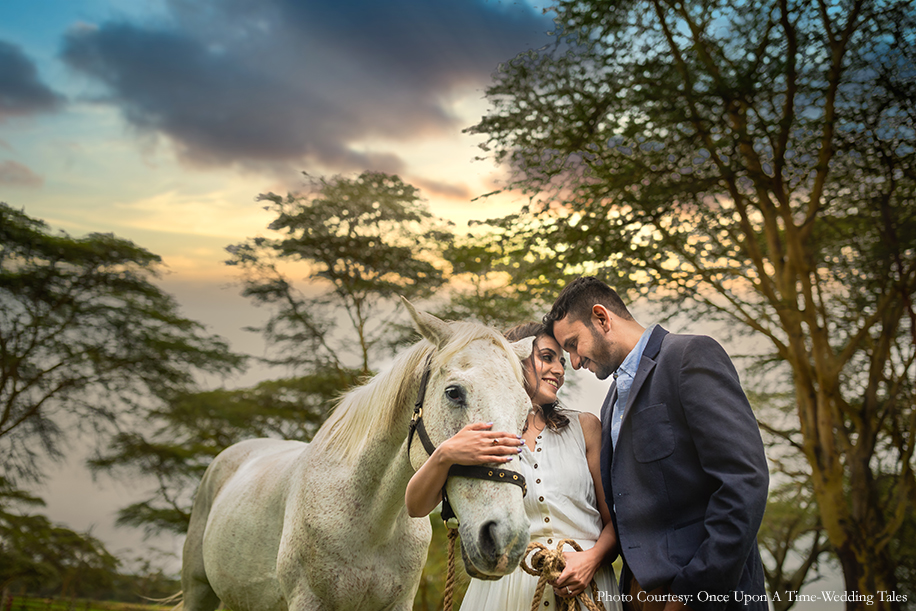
[472,445]
[581,566]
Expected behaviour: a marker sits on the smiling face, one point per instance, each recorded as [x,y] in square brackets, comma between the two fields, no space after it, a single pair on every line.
[590,345]
[547,375]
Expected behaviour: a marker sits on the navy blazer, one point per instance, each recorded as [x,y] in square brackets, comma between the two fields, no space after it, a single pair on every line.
[687,483]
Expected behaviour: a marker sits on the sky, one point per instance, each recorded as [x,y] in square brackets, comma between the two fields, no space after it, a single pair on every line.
[162,120]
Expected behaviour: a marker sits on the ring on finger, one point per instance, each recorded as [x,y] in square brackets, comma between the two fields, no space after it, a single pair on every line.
[496,441]
[568,591]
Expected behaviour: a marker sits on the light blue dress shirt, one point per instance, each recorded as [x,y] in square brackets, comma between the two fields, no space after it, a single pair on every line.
[624,376]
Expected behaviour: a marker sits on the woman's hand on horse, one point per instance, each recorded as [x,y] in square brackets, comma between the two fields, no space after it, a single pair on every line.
[476,444]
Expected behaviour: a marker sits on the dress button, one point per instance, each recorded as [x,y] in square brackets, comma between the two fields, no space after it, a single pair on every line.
[535,465]
[549,541]
[546,603]
[537,481]
[547,519]
[541,499]
[539,449]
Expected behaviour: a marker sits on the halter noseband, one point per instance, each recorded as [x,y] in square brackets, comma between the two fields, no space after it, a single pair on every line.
[475,471]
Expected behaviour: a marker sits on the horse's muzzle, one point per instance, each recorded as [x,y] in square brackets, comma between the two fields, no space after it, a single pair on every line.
[494,552]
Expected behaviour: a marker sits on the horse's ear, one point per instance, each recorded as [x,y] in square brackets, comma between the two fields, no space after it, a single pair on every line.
[430,327]
[523,347]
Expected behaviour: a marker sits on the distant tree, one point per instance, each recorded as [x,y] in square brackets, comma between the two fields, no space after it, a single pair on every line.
[359,243]
[488,286]
[752,163]
[43,557]
[188,433]
[86,338]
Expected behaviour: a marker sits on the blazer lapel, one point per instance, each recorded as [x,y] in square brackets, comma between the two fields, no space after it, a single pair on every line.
[646,365]
[607,450]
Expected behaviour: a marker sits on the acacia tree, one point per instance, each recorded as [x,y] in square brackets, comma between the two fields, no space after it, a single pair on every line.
[750,163]
[357,243]
[191,430]
[86,339]
[360,242]
[487,287]
[46,557]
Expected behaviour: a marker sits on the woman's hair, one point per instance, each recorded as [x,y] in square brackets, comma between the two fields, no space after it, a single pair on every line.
[552,412]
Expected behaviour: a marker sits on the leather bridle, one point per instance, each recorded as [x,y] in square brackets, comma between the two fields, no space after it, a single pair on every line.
[474,471]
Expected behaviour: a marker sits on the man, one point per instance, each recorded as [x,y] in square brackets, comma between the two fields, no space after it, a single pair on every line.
[682,461]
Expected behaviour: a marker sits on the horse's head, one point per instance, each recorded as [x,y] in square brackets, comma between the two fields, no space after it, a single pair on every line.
[476,376]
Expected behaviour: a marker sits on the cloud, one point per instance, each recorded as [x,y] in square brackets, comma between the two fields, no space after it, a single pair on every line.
[281,82]
[14,174]
[21,91]
[444,189]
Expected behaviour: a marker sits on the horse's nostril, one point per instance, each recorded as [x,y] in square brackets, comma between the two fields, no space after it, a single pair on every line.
[488,544]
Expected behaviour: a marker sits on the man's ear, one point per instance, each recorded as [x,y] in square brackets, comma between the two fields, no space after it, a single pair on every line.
[601,317]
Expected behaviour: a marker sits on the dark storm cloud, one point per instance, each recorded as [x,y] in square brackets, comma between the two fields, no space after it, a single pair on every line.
[283,82]
[21,90]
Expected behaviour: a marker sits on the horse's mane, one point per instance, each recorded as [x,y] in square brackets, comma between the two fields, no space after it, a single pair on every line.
[379,404]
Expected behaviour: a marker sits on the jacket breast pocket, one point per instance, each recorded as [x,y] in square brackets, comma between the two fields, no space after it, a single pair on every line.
[653,437]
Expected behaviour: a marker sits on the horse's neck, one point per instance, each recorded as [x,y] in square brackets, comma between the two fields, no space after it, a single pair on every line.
[384,472]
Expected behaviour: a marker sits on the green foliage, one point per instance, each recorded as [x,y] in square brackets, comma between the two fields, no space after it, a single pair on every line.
[752,164]
[430,594]
[196,427]
[362,242]
[37,554]
[793,537]
[85,337]
[489,286]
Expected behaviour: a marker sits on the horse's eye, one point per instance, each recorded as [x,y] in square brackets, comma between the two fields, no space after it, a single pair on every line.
[455,394]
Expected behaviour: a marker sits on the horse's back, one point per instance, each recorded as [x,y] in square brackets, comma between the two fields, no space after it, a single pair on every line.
[236,522]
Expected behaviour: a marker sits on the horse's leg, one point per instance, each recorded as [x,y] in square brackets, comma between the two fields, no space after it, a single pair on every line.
[197,595]
[305,600]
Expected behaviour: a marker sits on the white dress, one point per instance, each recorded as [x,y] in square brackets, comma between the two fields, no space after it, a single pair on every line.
[561,504]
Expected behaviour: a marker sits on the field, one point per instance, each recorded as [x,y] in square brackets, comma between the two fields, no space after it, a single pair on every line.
[19,603]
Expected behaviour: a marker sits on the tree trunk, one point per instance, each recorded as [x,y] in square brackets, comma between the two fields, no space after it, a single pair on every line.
[850,505]
[872,576]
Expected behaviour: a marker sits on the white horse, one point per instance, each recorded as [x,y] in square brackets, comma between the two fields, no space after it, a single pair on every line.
[282,525]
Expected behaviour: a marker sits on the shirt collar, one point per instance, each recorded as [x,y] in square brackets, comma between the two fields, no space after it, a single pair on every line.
[631,363]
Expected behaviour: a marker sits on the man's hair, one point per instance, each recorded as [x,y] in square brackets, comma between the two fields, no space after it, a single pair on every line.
[577,298]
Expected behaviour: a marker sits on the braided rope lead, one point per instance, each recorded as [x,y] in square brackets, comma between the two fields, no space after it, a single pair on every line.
[546,565]
[447,603]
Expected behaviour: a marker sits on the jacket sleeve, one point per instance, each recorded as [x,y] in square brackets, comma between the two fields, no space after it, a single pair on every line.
[730,451]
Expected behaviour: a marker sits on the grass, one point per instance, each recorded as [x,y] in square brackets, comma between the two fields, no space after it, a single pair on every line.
[65,604]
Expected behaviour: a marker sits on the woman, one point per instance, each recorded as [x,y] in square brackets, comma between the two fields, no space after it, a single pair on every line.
[559,453]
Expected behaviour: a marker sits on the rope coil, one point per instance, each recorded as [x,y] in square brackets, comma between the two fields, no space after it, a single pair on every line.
[546,565]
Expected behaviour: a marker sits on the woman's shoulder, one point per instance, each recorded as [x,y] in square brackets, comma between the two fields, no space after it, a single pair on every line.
[590,424]
[585,418]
